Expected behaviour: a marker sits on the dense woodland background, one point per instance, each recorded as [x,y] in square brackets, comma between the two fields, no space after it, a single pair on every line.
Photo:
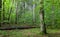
[29,18]
[27,13]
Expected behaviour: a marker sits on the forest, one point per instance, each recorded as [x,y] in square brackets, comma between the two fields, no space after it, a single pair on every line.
[29,18]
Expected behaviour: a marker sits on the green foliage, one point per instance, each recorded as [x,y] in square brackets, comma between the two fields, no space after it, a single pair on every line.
[13,9]
[25,13]
[52,13]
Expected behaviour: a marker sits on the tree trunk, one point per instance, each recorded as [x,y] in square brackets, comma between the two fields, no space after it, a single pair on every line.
[33,13]
[42,24]
[0,10]
[16,21]
[1,3]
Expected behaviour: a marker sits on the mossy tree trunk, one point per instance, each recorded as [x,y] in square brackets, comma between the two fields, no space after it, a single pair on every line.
[42,24]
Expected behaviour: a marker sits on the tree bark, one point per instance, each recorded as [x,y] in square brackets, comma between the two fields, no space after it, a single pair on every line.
[0,4]
[16,21]
[33,13]
[0,10]
[42,24]
[1,7]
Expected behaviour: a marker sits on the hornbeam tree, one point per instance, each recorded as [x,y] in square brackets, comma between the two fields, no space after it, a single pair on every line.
[42,23]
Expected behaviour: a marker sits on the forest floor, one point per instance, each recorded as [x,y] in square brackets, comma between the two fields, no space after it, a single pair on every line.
[34,32]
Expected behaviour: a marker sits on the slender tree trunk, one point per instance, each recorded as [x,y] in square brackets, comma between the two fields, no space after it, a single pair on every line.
[0,4]
[10,10]
[24,11]
[0,10]
[33,13]
[16,14]
[16,21]
[3,14]
[9,15]
[42,24]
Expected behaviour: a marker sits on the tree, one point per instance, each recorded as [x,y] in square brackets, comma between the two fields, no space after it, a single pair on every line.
[33,13]
[0,4]
[43,26]
[0,10]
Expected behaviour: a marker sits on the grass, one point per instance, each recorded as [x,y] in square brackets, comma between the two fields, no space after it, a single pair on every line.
[34,32]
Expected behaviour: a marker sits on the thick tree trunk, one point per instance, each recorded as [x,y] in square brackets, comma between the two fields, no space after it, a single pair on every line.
[42,24]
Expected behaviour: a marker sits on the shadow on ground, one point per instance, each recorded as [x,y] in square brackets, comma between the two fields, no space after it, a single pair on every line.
[54,35]
[49,35]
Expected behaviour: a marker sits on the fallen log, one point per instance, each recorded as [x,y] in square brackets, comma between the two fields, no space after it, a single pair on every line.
[12,28]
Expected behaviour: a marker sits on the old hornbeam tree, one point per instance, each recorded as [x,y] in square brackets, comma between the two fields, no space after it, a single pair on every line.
[42,23]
